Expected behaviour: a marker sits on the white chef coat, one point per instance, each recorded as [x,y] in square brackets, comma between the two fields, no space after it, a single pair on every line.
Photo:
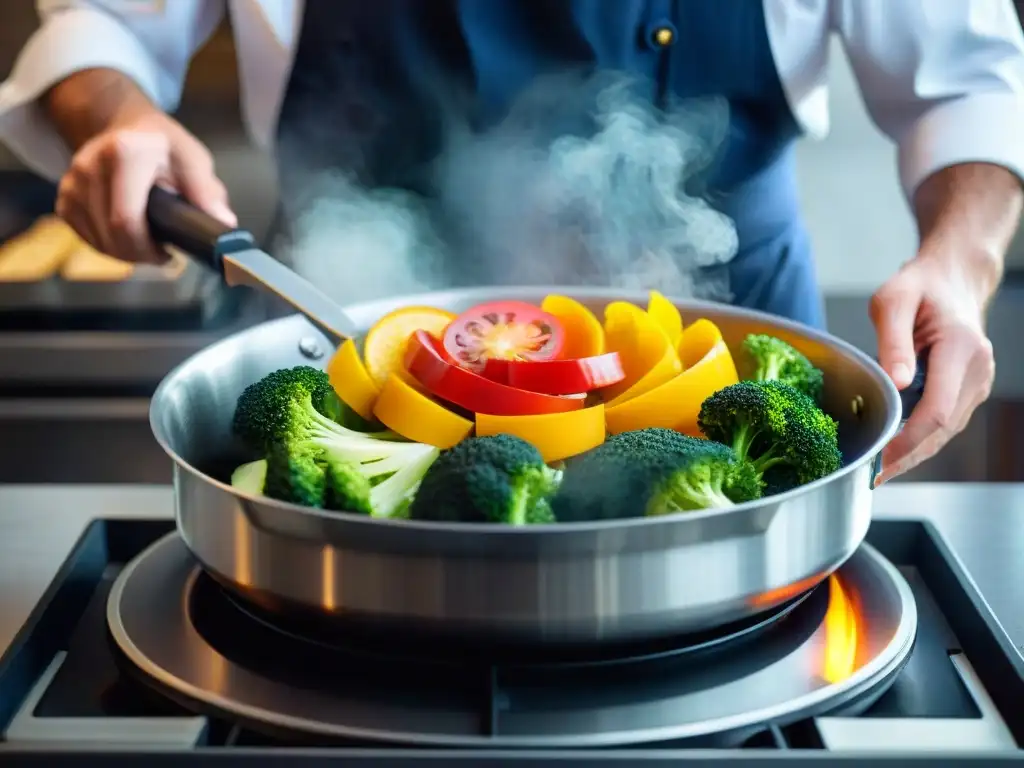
[944,79]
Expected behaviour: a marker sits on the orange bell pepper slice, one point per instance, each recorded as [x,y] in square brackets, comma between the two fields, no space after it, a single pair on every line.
[417,417]
[384,347]
[648,357]
[556,435]
[351,380]
[676,404]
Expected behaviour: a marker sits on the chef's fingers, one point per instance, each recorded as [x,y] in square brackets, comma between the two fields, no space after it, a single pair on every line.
[134,159]
[75,195]
[193,172]
[939,415]
[893,311]
[72,206]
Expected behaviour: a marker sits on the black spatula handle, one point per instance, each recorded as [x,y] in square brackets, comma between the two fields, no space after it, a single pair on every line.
[175,221]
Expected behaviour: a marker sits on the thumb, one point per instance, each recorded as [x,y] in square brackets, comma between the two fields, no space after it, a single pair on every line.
[893,313]
[197,182]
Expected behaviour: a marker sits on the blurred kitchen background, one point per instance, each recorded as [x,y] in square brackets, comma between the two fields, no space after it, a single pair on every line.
[78,360]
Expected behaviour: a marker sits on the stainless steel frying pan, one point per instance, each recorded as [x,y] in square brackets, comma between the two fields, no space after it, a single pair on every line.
[592,582]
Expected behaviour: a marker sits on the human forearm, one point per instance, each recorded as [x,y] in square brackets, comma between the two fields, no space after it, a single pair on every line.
[967,215]
[88,102]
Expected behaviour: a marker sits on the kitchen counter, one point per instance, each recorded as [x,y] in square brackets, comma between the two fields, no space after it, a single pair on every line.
[984,524]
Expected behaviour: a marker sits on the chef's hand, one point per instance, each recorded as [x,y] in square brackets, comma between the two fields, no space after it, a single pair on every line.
[103,195]
[930,305]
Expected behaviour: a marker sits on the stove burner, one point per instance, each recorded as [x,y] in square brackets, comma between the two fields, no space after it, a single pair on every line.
[836,649]
[209,603]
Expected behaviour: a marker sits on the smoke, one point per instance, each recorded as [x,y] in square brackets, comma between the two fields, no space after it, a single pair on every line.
[582,183]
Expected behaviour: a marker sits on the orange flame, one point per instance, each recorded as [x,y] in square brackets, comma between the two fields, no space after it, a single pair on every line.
[841,634]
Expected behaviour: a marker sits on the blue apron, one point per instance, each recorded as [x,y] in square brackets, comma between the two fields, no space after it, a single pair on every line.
[372,82]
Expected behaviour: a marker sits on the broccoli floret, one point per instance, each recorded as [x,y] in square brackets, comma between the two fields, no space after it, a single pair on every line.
[297,406]
[709,476]
[494,479]
[250,477]
[775,360]
[653,471]
[346,488]
[318,479]
[776,427]
[295,476]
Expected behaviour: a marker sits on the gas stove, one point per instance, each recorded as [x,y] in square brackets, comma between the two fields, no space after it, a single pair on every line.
[134,654]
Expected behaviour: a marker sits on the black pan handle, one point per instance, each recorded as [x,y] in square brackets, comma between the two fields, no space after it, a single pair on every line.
[910,398]
[175,221]
[911,395]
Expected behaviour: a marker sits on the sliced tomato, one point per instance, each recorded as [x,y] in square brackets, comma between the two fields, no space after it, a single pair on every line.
[426,361]
[558,377]
[503,330]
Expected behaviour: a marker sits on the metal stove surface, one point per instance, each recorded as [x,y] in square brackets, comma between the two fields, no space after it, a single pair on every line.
[66,699]
[835,651]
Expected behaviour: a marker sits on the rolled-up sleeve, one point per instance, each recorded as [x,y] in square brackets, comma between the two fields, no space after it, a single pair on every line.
[151,44]
[943,78]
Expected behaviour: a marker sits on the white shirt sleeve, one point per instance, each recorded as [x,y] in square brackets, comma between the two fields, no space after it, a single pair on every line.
[943,78]
[151,41]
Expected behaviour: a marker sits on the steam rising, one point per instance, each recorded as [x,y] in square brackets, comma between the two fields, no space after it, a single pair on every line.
[582,183]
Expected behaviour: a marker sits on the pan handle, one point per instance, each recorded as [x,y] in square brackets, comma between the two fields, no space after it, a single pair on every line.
[175,221]
[911,395]
[910,398]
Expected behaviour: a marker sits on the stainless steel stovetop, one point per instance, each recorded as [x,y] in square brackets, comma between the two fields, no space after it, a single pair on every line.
[69,694]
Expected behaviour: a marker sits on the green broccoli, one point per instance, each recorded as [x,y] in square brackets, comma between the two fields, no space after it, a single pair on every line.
[346,488]
[775,360]
[319,479]
[653,471]
[782,431]
[296,476]
[495,479]
[250,477]
[297,407]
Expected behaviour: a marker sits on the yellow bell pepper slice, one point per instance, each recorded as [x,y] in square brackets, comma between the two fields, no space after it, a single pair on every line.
[676,404]
[417,417]
[351,380]
[556,435]
[648,357]
[666,315]
[584,336]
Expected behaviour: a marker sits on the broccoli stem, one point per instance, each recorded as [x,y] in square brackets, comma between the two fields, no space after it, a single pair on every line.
[687,496]
[770,369]
[530,488]
[520,503]
[767,460]
[743,438]
[391,496]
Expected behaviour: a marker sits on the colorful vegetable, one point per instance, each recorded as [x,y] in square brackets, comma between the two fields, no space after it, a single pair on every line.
[556,435]
[351,381]
[558,377]
[584,336]
[648,357]
[675,404]
[496,479]
[666,315]
[415,416]
[503,330]
[384,348]
[426,361]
